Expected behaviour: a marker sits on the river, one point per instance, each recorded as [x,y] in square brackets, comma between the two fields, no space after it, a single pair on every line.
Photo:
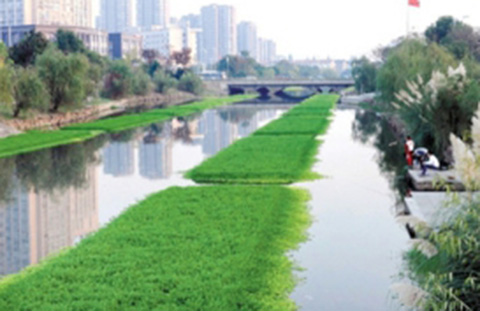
[52,199]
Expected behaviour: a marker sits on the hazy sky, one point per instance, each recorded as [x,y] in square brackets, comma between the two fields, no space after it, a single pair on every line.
[336,28]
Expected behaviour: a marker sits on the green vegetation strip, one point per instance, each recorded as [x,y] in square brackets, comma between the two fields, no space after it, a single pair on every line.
[296,126]
[36,140]
[261,160]
[197,248]
[130,121]
[280,153]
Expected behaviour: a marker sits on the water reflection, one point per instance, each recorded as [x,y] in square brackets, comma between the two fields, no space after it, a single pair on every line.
[51,199]
[37,223]
[369,127]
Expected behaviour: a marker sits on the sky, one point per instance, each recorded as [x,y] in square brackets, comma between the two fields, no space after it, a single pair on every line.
[336,28]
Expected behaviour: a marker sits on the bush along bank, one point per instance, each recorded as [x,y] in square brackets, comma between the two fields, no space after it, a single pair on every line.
[197,248]
[280,153]
[37,140]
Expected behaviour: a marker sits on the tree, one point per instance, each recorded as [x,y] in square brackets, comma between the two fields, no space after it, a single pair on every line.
[6,96]
[150,55]
[238,66]
[433,109]
[405,62]
[29,91]
[64,76]
[442,27]
[141,84]
[191,83]
[26,51]
[68,42]
[459,38]
[285,69]
[182,58]
[163,81]
[364,73]
[119,80]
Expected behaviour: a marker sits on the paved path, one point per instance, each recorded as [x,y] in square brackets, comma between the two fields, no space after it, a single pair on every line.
[432,178]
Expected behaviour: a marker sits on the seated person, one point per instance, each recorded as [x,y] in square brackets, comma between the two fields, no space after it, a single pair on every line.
[430,162]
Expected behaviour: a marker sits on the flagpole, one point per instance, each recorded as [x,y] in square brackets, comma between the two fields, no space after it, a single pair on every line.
[408,20]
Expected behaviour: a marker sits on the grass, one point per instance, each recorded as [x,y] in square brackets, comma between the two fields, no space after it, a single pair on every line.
[282,152]
[36,140]
[198,248]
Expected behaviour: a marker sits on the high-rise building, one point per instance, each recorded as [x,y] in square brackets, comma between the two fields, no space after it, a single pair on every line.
[227,24]
[153,13]
[247,39]
[219,32]
[192,34]
[191,21]
[267,51]
[191,38]
[77,13]
[165,40]
[116,15]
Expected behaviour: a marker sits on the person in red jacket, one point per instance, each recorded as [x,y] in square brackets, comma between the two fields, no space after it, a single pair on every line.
[409,147]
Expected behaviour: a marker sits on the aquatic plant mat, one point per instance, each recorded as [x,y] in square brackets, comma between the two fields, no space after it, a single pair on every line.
[36,140]
[197,248]
[130,121]
[282,152]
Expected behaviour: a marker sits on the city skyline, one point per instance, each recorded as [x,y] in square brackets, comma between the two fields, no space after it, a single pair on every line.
[356,21]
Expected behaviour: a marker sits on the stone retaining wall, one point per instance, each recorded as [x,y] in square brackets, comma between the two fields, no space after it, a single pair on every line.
[91,113]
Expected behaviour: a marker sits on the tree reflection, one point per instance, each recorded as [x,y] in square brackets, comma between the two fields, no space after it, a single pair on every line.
[55,168]
[7,178]
[238,115]
[371,127]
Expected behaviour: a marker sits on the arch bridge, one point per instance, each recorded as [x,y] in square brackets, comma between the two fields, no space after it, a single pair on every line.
[272,89]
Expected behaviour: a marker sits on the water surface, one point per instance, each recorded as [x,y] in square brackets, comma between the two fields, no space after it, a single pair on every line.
[53,198]
[355,249]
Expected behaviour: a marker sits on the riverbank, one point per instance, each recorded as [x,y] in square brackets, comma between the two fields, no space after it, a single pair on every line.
[36,140]
[93,112]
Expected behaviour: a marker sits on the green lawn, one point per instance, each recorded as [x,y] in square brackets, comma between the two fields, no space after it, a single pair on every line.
[36,140]
[199,248]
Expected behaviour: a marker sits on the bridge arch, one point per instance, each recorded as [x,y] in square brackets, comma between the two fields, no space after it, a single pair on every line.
[269,89]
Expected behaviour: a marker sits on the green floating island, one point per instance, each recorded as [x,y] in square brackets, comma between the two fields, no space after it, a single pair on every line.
[197,248]
[36,140]
[282,152]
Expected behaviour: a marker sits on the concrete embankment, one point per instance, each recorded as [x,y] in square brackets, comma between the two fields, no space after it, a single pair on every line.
[91,113]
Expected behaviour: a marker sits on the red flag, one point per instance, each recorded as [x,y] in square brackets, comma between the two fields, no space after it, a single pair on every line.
[415,3]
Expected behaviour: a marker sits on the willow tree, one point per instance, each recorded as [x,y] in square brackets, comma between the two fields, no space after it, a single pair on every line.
[64,76]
